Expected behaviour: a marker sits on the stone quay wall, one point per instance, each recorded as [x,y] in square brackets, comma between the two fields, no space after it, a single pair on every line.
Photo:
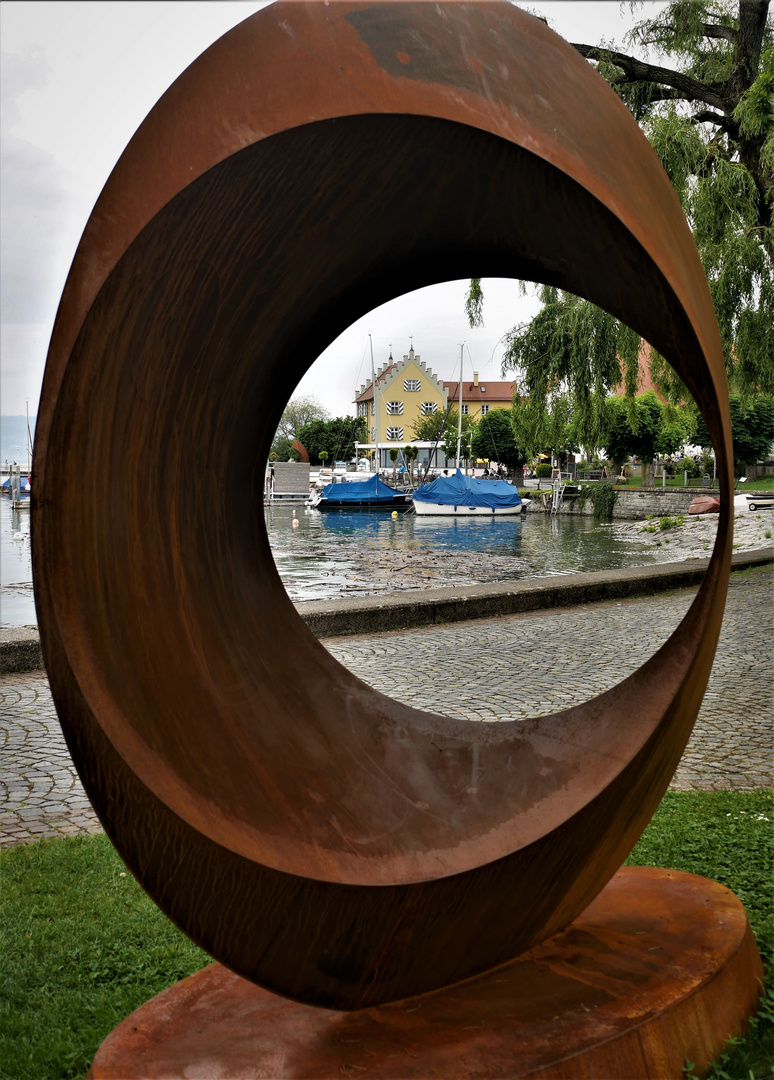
[634,503]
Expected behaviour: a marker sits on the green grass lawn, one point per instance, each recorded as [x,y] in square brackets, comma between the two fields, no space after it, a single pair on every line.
[83,945]
[766,483]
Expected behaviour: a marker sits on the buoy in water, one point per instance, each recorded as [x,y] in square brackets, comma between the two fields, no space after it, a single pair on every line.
[395,513]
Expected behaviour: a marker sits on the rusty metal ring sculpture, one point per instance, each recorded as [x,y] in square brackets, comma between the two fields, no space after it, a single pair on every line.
[314,835]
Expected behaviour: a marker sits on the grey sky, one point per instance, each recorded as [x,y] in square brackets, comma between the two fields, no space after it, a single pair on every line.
[77,80]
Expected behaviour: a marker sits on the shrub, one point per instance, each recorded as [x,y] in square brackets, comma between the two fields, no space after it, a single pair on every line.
[688,464]
[543,470]
[668,522]
[603,498]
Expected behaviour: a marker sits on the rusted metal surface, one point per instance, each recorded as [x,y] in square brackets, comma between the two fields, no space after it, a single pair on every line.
[661,967]
[300,450]
[318,838]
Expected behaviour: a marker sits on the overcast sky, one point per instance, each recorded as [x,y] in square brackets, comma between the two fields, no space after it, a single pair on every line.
[78,79]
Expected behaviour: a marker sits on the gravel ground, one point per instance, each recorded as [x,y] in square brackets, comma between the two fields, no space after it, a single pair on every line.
[694,537]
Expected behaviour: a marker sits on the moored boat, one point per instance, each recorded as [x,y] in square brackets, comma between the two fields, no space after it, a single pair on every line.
[705,504]
[369,494]
[467,496]
[760,501]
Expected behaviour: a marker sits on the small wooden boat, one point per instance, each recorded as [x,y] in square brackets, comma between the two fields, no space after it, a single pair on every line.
[705,504]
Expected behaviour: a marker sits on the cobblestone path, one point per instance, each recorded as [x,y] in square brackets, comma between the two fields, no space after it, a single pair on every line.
[495,669]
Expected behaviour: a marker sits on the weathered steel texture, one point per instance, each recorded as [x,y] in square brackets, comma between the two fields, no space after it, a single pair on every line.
[314,835]
[300,450]
[662,966]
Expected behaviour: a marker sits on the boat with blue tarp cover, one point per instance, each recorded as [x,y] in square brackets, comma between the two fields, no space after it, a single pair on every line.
[467,496]
[369,494]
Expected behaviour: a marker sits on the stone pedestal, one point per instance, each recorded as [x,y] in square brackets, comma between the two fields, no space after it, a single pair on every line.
[660,968]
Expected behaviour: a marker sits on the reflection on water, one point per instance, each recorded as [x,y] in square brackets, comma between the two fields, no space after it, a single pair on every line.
[328,551]
[17,606]
[333,554]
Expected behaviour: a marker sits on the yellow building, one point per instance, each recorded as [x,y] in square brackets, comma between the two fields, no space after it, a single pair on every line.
[406,392]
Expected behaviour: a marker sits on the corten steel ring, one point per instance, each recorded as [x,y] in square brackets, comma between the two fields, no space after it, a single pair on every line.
[311,833]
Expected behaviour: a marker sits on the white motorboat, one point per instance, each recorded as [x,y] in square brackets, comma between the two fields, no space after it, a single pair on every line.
[466,496]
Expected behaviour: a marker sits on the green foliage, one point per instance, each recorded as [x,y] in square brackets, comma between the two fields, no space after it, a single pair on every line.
[431,427]
[571,349]
[546,428]
[726,836]
[495,439]
[710,119]
[752,428]
[449,440]
[603,498]
[281,449]
[336,438]
[543,470]
[298,412]
[644,428]
[474,303]
[687,465]
[667,522]
[83,946]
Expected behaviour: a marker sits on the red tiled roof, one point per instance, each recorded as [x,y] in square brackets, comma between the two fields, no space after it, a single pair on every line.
[485,391]
[495,391]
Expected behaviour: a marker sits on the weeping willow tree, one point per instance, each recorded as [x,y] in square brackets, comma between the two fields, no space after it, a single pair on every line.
[710,119]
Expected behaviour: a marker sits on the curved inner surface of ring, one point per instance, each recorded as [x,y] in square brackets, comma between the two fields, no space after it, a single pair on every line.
[205,680]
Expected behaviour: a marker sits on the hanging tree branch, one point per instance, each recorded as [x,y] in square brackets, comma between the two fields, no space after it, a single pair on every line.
[638,71]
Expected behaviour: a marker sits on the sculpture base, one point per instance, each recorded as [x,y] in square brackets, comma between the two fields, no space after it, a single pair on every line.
[660,968]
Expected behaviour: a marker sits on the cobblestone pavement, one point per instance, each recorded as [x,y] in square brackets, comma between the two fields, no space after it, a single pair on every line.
[495,669]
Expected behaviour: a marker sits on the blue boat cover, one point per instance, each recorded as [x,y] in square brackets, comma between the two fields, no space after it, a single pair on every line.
[356,491]
[459,490]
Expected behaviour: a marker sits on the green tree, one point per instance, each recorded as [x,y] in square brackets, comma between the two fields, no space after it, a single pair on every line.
[495,440]
[710,118]
[752,429]
[651,429]
[299,411]
[431,427]
[546,426]
[467,431]
[394,459]
[334,437]
[282,449]
[410,454]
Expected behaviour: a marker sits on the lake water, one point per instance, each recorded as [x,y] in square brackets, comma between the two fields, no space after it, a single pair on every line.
[336,554]
[17,606]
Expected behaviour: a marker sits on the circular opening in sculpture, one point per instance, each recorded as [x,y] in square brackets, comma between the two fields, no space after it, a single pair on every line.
[210,317]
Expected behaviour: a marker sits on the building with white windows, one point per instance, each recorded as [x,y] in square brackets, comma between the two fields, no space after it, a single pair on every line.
[405,392]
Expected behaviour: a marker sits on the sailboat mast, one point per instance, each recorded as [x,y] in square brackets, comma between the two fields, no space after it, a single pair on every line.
[459,418]
[29,447]
[375,407]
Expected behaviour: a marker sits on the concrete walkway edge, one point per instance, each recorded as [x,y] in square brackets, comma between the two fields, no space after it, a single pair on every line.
[20,646]
[434,607]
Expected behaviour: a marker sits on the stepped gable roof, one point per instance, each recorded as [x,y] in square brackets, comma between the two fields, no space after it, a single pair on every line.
[392,370]
[367,389]
[485,391]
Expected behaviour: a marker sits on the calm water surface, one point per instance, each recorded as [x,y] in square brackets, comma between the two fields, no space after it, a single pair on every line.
[328,554]
[315,560]
[17,607]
